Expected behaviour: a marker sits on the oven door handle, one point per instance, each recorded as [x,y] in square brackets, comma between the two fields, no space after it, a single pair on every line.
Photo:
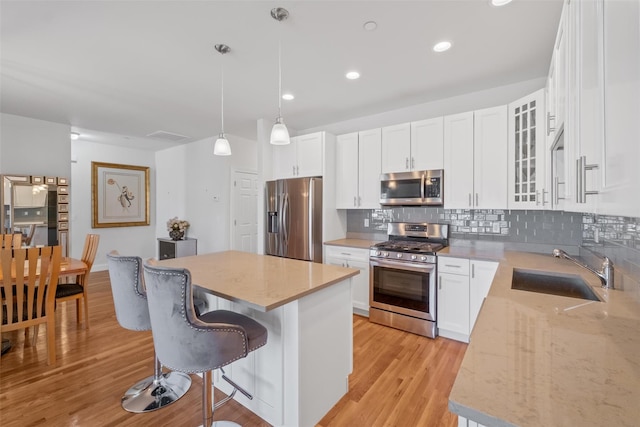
[403,265]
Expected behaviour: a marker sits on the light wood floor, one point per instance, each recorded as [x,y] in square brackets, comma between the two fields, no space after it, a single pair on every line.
[399,379]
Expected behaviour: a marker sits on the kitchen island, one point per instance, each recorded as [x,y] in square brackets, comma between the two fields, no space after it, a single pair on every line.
[544,360]
[303,369]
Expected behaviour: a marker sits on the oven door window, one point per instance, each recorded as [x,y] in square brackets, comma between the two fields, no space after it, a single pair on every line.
[401,288]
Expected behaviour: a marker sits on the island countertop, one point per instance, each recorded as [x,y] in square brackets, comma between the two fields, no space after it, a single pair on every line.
[544,360]
[262,282]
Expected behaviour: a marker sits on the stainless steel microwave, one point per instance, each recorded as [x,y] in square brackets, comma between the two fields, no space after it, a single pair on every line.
[419,188]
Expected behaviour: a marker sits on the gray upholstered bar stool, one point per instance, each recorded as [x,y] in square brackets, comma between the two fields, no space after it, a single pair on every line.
[132,312]
[197,344]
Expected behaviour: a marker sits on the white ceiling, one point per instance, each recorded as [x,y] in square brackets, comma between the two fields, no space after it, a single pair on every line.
[136,67]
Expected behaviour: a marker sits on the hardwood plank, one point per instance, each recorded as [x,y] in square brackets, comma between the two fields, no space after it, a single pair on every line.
[399,379]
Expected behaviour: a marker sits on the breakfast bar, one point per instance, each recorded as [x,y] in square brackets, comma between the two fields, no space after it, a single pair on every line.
[303,369]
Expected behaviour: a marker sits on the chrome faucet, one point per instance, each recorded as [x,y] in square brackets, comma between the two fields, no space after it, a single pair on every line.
[605,274]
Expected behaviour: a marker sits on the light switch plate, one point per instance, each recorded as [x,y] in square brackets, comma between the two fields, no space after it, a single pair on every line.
[366,222]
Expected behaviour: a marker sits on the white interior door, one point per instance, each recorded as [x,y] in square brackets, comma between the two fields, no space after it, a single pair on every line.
[245,212]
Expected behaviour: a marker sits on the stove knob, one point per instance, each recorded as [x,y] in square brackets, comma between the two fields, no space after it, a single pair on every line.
[423,258]
[378,253]
[385,254]
[398,255]
[414,257]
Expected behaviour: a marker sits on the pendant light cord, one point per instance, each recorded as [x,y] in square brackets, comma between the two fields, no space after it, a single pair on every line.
[222,98]
[279,72]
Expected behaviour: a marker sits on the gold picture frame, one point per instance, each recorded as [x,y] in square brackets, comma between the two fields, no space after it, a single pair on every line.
[119,195]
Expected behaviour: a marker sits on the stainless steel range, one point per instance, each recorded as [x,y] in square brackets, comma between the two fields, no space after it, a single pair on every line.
[403,277]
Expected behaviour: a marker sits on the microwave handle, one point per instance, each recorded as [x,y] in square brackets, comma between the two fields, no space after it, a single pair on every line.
[423,179]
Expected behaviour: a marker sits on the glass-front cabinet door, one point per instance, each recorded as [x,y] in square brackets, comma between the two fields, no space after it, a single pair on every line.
[527,171]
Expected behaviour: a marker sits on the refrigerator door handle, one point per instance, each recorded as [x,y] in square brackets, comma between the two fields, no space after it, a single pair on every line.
[312,196]
[285,223]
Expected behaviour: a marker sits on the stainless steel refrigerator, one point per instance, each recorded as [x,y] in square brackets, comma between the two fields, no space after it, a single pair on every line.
[294,218]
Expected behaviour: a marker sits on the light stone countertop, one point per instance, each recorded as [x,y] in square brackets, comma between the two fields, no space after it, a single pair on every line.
[353,243]
[544,360]
[262,282]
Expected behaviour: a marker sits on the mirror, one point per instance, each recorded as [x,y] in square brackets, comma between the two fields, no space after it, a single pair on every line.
[26,210]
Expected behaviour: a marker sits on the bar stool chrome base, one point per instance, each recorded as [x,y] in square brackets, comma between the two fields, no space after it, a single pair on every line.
[156,391]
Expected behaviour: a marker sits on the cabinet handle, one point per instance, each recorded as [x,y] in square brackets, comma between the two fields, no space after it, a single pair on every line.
[549,118]
[293,171]
[473,271]
[298,170]
[582,161]
[359,201]
[476,200]
[543,196]
[413,163]
[345,253]
[453,266]
[354,201]
[440,282]
[406,163]
[469,199]
[537,198]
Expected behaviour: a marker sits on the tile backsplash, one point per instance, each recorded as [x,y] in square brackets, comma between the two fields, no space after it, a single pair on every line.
[518,226]
[613,236]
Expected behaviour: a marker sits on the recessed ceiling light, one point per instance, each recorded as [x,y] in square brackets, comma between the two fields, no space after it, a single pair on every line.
[352,75]
[287,96]
[370,25]
[500,2]
[442,46]
[75,135]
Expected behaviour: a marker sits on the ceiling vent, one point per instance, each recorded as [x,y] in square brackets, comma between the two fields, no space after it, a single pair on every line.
[167,136]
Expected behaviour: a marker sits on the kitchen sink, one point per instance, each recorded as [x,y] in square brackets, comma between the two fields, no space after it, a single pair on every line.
[566,285]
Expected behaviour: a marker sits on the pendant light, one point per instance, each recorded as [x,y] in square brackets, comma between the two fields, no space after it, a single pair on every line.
[221,146]
[279,132]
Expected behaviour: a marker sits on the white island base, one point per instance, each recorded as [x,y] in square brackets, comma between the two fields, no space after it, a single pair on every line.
[303,370]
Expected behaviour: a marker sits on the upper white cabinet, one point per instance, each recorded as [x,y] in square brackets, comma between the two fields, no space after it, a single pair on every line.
[621,149]
[527,143]
[396,148]
[302,157]
[458,161]
[427,144]
[475,160]
[358,159]
[413,146]
[489,158]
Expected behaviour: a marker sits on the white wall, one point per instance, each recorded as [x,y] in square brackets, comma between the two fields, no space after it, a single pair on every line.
[195,185]
[34,147]
[140,241]
[458,104]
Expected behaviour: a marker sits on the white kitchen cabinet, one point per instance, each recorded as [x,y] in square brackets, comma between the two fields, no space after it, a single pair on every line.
[353,258]
[453,298]
[490,158]
[358,160]
[396,148]
[463,285]
[347,164]
[586,19]
[413,146]
[481,277]
[427,144]
[302,157]
[475,160]
[527,144]
[621,173]
[458,161]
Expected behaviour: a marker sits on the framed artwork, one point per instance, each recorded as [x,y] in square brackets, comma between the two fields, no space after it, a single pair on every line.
[119,195]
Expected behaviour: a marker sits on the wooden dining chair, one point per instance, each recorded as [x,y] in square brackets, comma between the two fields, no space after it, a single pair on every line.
[29,281]
[10,240]
[79,290]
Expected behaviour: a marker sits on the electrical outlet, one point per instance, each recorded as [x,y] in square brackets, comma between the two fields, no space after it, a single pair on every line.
[366,222]
[38,213]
